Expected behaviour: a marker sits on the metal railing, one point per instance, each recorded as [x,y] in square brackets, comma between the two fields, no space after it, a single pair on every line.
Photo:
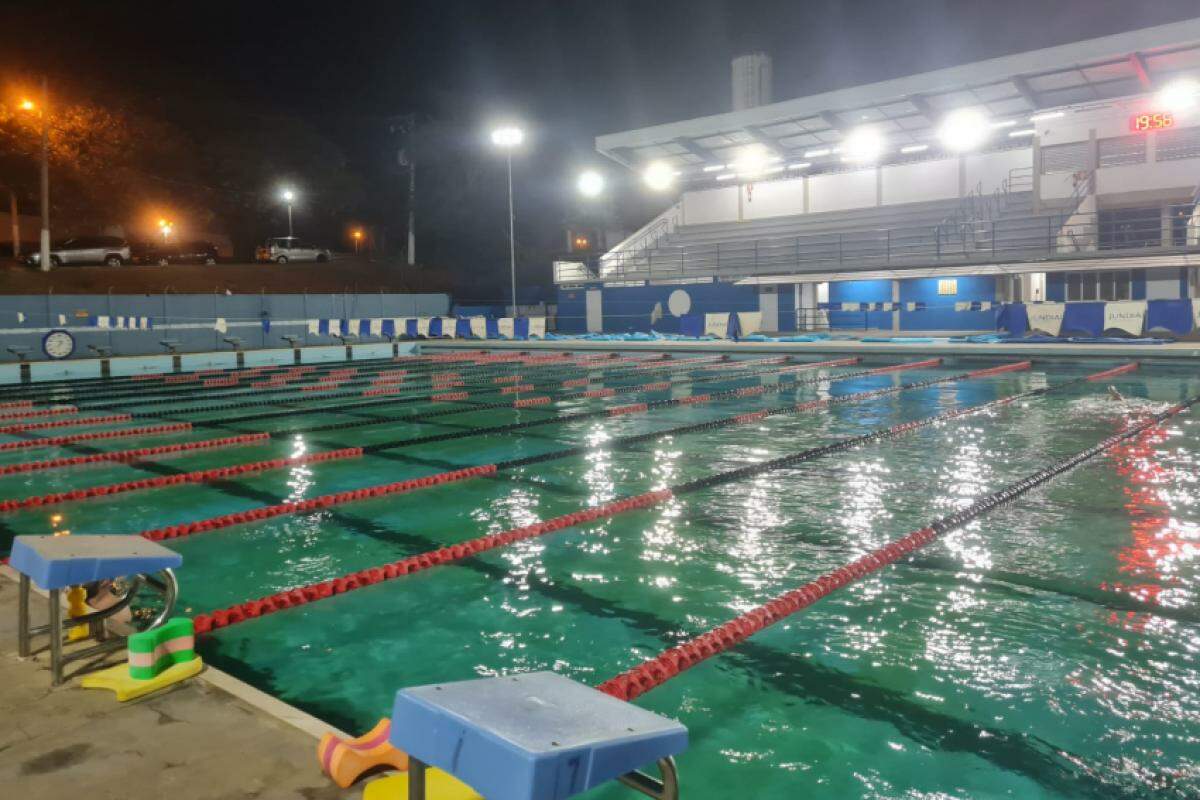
[1061,235]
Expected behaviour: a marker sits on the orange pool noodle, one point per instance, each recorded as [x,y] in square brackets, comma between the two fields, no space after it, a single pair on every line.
[346,760]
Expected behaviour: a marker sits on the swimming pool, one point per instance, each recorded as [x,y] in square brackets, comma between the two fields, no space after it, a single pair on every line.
[1047,649]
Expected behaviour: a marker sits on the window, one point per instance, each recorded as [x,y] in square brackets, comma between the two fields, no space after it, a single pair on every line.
[1130,228]
[1065,157]
[1177,144]
[1108,285]
[1121,150]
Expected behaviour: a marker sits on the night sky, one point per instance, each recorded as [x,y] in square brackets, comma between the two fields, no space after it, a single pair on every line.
[569,70]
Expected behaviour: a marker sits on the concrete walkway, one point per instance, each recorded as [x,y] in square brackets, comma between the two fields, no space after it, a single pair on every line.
[193,742]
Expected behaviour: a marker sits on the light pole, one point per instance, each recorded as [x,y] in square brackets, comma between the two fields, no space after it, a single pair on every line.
[358,234]
[508,139]
[165,226]
[288,196]
[44,110]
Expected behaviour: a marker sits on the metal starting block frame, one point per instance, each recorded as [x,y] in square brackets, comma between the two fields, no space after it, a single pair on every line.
[59,562]
[537,736]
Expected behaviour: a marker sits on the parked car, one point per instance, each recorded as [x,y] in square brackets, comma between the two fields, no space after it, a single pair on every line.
[193,252]
[112,251]
[283,249]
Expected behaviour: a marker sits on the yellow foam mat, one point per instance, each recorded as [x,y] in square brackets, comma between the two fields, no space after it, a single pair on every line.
[438,786]
[116,678]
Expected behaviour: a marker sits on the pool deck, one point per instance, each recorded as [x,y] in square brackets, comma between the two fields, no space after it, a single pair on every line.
[1172,352]
[212,737]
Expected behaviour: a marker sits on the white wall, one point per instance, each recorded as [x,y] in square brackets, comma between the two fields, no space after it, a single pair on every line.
[991,169]
[774,199]
[918,183]
[1182,174]
[841,191]
[710,205]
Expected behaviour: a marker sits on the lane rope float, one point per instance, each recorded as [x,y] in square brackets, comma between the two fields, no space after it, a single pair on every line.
[366,577]
[653,673]
[140,454]
[120,433]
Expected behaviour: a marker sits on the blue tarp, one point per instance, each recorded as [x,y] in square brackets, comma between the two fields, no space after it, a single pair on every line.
[521,328]
[1171,315]
[1083,318]
[493,328]
[364,327]
[462,328]
[410,328]
[1014,318]
[435,327]
[388,328]
[692,325]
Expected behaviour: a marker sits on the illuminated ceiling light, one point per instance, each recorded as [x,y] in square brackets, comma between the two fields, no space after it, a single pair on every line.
[800,165]
[508,136]
[1179,95]
[714,168]
[751,160]
[774,169]
[863,145]
[1004,123]
[1025,132]
[659,176]
[964,129]
[824,151]
[727,176]
[590,183]
[1041,115]
[914,148]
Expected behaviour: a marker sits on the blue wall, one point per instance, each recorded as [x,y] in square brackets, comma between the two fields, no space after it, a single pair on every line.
[860,292]
[939,313]
[188,318]
[628,308]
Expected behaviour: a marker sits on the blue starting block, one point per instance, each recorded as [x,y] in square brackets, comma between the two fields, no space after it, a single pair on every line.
[58,562]
[537,736]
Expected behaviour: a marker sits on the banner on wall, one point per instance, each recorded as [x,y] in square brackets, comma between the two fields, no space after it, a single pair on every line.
[1046,317]
[716,325]
[447,326]
[423,326]
[537,327]
[1196,315]
[479,327]
[1128,316]
[507,327]
[749,322]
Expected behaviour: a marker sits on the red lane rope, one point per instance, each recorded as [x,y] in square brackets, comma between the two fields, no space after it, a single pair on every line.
[198,476]
[314,504]
[407,566]
[17,404]
[66,423]
[1014,367]
[125,456]
[40,412]
[653,673]
[1111,373]
[123,433]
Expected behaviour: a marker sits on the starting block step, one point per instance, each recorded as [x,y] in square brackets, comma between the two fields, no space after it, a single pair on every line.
[537,736]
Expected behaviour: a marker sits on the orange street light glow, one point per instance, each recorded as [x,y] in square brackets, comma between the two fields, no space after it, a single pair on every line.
[27,105]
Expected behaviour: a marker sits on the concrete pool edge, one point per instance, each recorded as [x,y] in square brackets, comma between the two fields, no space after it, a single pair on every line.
[263,702]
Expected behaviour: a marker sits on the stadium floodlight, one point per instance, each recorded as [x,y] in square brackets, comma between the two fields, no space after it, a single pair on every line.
[914,148]
[1179,95]
[751,160]
[590,183]
[800,165]
[863,145]
[1021,133]
[1041,115]
[714,168]
[727,176]
[823,151]
[964,129]
[508,136]
[1004,123]
[659,176]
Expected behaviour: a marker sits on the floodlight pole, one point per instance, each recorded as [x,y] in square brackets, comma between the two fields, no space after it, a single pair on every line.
[512,241]
[44,264]
[289,205]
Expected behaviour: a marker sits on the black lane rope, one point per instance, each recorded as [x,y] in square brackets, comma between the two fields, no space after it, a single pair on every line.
[605,412]
[302,595]
[296,393]
[464,405]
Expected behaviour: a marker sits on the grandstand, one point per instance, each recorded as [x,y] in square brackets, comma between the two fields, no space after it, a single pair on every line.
[1064,174]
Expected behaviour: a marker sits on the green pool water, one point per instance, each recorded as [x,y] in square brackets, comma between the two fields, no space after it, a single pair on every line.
[1050,649]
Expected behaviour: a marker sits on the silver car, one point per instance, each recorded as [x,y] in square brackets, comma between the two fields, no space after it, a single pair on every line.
[112,251]
[283,249]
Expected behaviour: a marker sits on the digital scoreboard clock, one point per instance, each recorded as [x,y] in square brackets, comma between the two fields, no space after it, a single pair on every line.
[1152,121]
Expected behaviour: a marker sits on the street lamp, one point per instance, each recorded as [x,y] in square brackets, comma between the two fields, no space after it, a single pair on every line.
[507,139]
[358,235]
[288,196]
[29,105]
[165,227]
[590,183]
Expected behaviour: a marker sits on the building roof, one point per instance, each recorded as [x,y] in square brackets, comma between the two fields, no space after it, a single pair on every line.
[907,109]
